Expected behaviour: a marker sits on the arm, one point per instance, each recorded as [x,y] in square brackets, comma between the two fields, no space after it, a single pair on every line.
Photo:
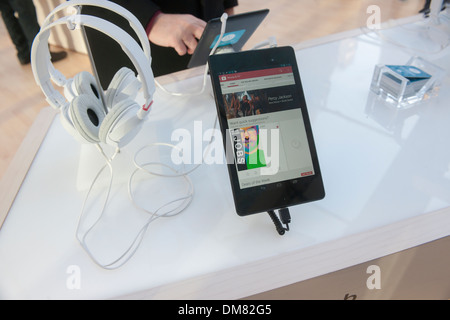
[179,31]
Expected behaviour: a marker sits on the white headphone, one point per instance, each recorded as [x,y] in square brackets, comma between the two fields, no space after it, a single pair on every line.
[82,112]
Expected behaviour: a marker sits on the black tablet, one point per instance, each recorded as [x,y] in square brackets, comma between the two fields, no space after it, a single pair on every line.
[269,146]
[239,29]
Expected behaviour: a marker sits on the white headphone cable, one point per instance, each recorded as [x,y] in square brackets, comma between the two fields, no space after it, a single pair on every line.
[186,200]
[135,243]
[82,238]
[177,174]
[223,20]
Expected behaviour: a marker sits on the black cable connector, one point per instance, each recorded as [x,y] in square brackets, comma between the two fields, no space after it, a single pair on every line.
[285,219]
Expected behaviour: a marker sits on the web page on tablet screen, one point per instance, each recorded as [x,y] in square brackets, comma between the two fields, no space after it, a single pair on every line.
[265,126]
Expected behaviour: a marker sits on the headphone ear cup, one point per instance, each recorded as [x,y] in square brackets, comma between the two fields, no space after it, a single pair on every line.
[124,85]
[87,116]
[121,124]
[82,83]
[66,121]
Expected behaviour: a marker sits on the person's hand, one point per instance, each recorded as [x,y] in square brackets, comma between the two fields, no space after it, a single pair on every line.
[179,31]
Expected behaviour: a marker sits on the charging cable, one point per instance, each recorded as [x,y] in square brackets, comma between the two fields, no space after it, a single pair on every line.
[271,42]
[285,217]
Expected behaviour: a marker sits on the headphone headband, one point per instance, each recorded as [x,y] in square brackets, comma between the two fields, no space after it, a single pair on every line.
[42,66]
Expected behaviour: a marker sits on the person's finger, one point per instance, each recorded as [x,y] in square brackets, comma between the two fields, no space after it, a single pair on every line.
[198,30]
[199,22]
[180,47]
[191,43]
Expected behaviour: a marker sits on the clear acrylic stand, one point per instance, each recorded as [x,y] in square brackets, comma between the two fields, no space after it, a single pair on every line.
[403,92]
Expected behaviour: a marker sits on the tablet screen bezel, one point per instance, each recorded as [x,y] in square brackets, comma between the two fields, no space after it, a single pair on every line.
[280,194]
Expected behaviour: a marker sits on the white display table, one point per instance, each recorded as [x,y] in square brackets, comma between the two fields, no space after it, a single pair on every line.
[386,175]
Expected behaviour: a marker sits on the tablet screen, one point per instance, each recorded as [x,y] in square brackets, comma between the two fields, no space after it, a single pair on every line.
[266,126]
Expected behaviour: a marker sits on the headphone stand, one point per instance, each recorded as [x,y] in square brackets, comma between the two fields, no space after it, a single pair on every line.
[93,67]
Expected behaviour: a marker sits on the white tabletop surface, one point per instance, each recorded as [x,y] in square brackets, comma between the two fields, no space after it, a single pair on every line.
[381,167]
